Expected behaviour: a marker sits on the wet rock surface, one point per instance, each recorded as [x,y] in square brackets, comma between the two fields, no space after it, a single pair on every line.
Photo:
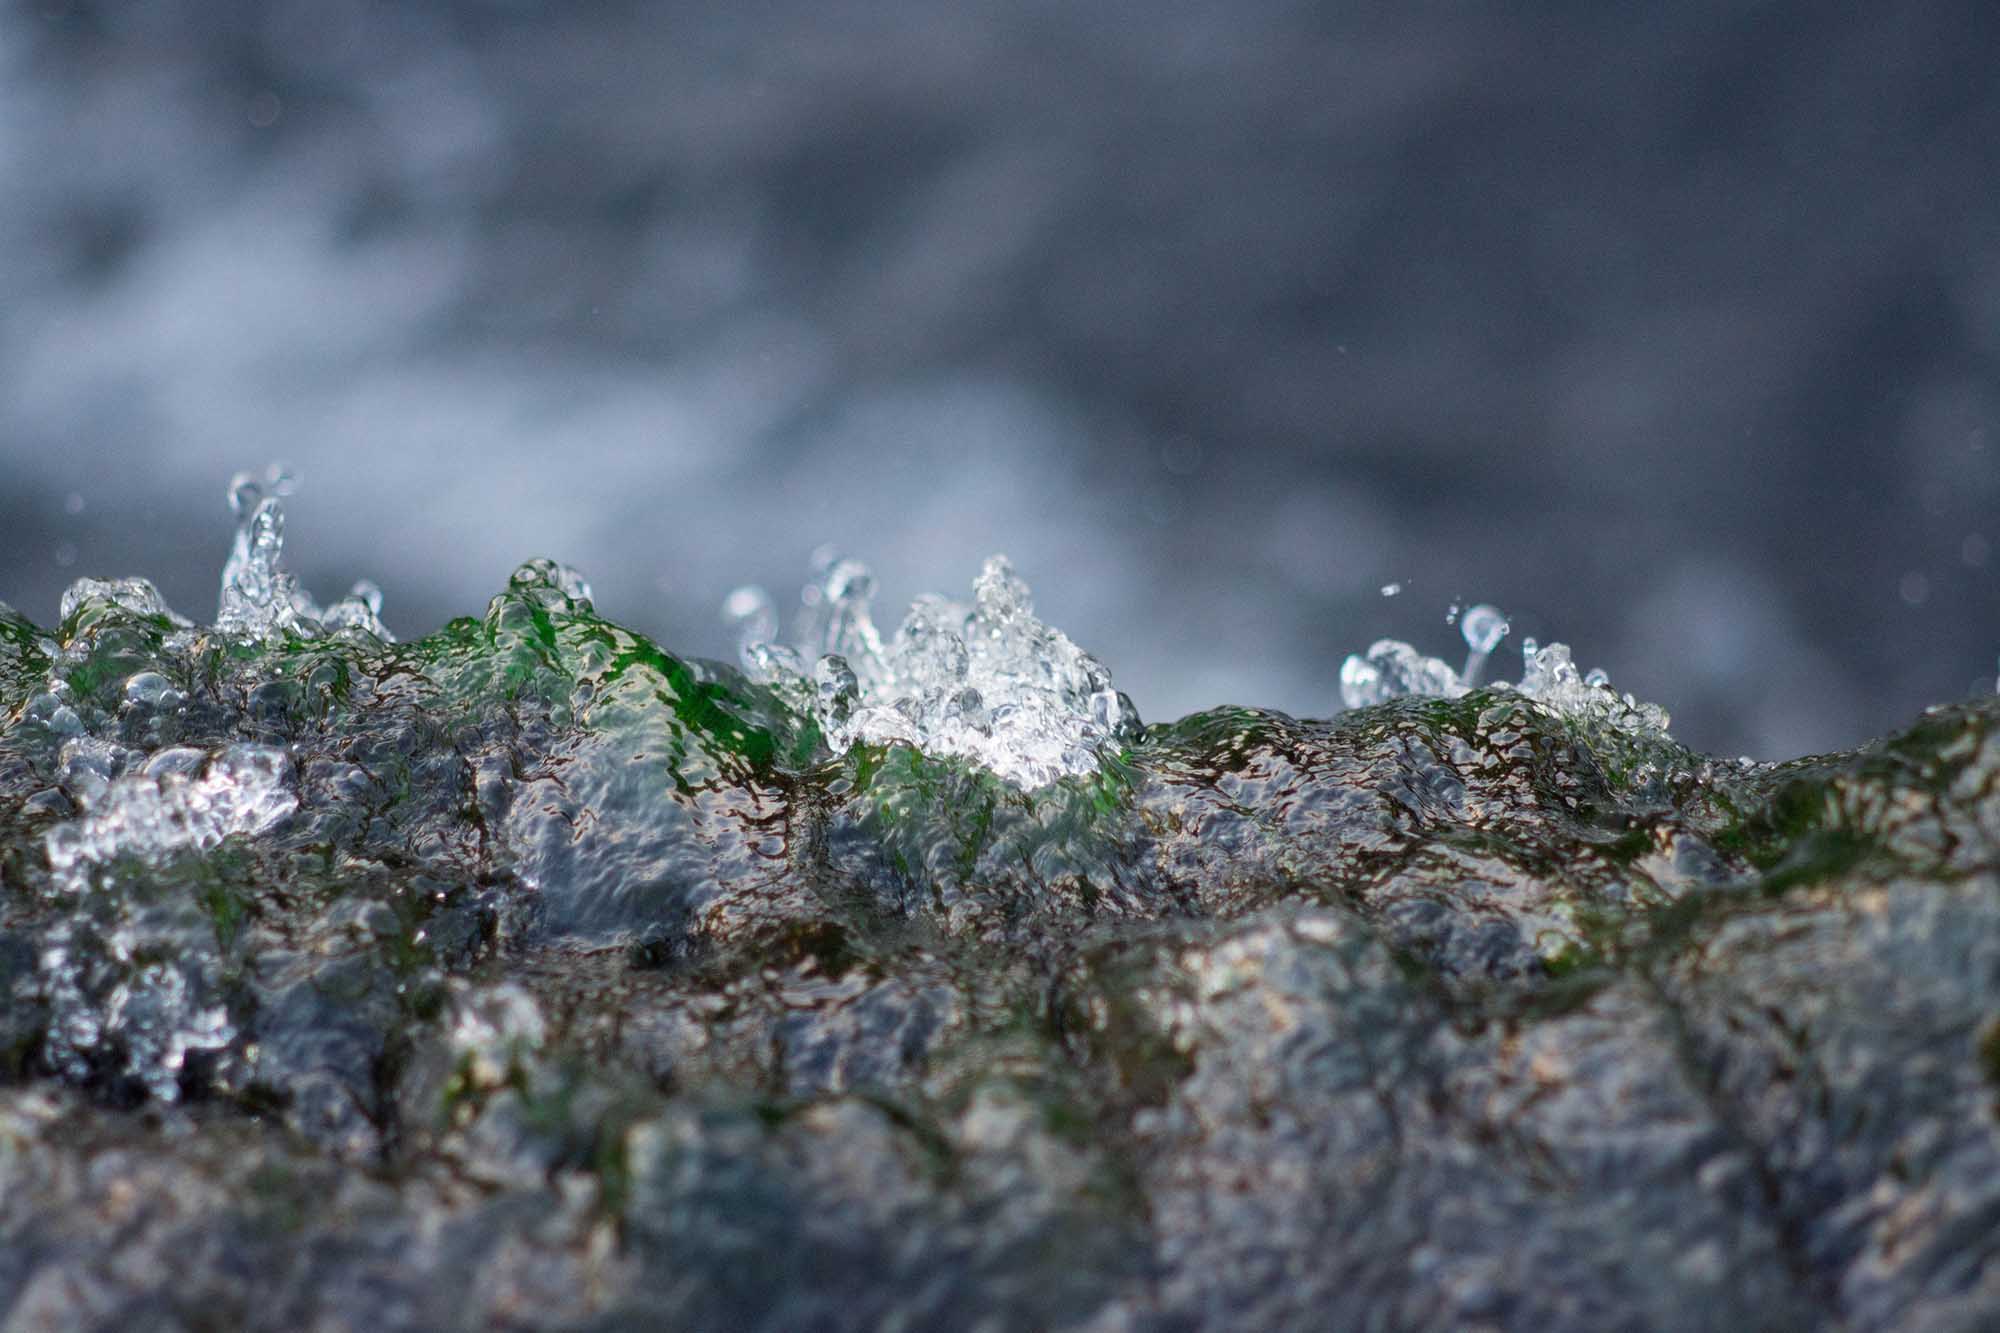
[527,975]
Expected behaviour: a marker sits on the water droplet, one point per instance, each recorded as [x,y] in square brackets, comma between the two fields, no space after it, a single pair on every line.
[73,503]
[1483,628]
[1391,589]
[1974,551]
[244,493]
[751,613]
[1914,588]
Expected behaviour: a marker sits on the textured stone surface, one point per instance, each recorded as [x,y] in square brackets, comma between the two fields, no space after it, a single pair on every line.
[579,985]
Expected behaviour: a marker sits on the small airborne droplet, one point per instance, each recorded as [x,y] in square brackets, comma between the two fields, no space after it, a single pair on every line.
[1484,627]
[1391,589]
[244,493]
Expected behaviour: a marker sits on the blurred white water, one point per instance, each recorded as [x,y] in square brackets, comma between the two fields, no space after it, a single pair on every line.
[1219,325]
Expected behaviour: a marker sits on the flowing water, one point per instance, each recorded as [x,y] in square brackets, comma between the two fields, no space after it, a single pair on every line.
[528,974]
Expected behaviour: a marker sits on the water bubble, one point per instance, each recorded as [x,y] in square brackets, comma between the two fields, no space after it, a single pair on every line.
[147,688]
[1391,589]
[1451,614]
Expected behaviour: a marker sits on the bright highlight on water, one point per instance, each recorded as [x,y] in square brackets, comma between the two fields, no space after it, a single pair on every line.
[984,680]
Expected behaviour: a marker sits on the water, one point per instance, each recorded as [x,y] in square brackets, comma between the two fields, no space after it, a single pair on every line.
[260,598]
[983,680]
[906,312]
[1392,669]
[908,978]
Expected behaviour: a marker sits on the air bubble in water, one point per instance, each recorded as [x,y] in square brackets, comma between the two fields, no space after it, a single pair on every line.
[1391,589]
[147,688]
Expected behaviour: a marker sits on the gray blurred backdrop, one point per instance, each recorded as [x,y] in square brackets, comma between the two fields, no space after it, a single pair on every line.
[1674,335]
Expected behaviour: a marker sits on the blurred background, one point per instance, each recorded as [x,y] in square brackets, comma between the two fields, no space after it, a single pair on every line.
[1675,335]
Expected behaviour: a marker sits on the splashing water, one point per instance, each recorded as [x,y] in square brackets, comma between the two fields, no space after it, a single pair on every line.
[1392,669]
[986,681]
[144,805]
[259,598]
[111,1007]
[165,808]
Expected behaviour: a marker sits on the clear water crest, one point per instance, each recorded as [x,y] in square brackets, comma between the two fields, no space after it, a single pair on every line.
[984,680]
[1392,669]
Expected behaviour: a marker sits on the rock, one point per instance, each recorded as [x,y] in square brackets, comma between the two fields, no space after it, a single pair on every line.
[526,975]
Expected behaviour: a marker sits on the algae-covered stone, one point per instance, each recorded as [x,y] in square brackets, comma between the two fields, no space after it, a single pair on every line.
[527,975]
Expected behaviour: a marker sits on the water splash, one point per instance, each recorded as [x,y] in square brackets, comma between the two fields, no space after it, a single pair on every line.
[181,799]
[1483,628]
[117,1004]
[984,680]
[261,599]
[1392,669]
[122,1004]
